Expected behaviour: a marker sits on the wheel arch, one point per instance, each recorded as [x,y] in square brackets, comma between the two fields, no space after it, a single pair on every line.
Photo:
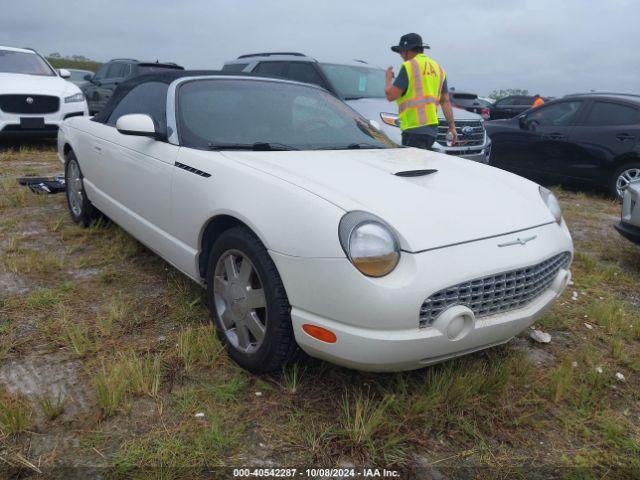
[212,230]
[67,149]
[622,159]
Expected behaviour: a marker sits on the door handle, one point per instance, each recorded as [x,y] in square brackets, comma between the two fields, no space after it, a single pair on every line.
[555,136]
[625,136]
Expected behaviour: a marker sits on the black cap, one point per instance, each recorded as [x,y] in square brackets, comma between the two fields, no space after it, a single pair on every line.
[408,42]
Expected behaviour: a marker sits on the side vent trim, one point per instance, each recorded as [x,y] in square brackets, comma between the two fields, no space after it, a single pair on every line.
[192,170]
[415,173]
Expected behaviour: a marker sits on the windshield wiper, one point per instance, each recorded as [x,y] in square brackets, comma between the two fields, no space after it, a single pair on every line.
[356,146]
[353,98]
[257,146]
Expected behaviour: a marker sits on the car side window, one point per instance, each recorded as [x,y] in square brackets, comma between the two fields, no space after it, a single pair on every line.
[304,72]
[556,115]
[271,68]
[101,73]
[116,70]
[234,67]
[505,102]
[149,98]
[608,113]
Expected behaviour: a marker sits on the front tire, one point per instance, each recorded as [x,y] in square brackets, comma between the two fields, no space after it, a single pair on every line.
[248,302]
[622,177]
[81,209]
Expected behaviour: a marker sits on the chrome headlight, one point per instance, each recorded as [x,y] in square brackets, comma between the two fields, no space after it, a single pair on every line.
[76,97]
[552,204]
[369,243]
[390,119]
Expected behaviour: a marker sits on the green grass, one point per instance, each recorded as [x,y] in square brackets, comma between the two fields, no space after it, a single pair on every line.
[15,414]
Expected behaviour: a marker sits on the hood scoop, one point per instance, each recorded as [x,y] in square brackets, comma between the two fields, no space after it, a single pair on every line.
[415,173]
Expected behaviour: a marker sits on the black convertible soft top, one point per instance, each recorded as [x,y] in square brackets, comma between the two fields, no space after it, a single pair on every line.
[163,76]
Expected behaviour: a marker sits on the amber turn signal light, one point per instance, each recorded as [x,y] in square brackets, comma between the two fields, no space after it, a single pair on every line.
[320,333]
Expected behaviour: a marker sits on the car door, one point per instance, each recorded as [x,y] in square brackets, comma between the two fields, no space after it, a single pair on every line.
[133,173]
[116,73]
[609,130]
[91,91]
[547,130]
[503,108]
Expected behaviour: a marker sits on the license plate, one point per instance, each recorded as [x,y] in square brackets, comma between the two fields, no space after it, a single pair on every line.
[31,123]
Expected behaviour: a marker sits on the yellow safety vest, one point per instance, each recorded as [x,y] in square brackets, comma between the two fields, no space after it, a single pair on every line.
[418,106]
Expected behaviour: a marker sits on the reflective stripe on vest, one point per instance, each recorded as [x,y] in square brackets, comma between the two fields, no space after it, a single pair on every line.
[418,106]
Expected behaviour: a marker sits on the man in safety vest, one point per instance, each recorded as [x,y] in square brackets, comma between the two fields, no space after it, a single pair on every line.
[537,101]
[420,87]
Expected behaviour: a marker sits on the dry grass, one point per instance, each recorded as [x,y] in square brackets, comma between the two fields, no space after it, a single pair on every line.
[148,361]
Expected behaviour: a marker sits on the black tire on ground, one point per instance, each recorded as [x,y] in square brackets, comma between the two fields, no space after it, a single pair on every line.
[613,181]
[278,346]
[85,213]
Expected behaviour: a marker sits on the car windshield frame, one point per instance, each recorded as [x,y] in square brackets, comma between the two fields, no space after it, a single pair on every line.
[357,93]
[47,71]
[181,134]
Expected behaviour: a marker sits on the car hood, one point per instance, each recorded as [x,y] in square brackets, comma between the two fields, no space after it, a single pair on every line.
[16,83]
[371,108]
[462,201]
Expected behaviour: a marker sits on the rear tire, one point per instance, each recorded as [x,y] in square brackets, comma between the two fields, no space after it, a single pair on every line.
[248,303]
[621,178]
[81,209]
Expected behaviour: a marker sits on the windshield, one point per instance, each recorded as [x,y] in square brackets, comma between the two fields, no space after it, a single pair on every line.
[21,62]
[352,82]
[246,112]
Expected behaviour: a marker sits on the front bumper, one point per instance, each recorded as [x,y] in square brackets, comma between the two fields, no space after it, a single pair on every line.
[376,321]
[628,231]
[10,123]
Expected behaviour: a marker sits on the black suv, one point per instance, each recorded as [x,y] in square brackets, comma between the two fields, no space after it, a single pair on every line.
[509,107]
[591,138]
[100,86]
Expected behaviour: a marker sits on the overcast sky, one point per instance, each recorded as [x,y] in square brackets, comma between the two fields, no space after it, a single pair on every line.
[552,47]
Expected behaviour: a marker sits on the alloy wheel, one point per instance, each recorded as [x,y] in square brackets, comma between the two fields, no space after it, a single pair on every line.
[625,178]
[240,301]
[74,188]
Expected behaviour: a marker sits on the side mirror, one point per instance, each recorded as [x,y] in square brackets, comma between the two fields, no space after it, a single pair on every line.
[88,77]
[64,73]
[522,121]
[138,124]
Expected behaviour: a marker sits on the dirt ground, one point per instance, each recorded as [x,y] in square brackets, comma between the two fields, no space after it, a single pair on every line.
[109,367]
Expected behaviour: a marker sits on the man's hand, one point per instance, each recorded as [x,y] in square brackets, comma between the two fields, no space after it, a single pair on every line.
[454,133]
[388,74]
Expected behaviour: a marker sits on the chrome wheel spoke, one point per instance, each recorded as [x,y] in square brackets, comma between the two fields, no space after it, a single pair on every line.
[245,271]
[228,319]
[220,286]
[255,299]
[255,326]
[230,267]
[243,335]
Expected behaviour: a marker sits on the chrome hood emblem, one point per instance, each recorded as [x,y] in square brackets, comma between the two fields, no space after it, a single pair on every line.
[518,241]
[29,100]
[468,130]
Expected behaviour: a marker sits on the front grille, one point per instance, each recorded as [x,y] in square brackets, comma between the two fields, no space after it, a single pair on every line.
[29,104]
[474,135]
[496,293]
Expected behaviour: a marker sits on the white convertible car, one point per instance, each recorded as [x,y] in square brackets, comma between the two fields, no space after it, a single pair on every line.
[310,229]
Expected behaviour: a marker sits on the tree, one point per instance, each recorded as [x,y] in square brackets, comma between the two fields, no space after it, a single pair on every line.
[507,92]
[55,55]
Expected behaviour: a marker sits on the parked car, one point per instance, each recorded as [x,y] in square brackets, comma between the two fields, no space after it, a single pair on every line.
[361,86]
[588,139]
[100,86]
[79,77]
[471,103]
[509,107]
[34,97]
[629,225]
[268,193]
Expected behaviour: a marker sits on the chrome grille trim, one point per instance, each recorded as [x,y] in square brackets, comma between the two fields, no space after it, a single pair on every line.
[474,139]
[497,293]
